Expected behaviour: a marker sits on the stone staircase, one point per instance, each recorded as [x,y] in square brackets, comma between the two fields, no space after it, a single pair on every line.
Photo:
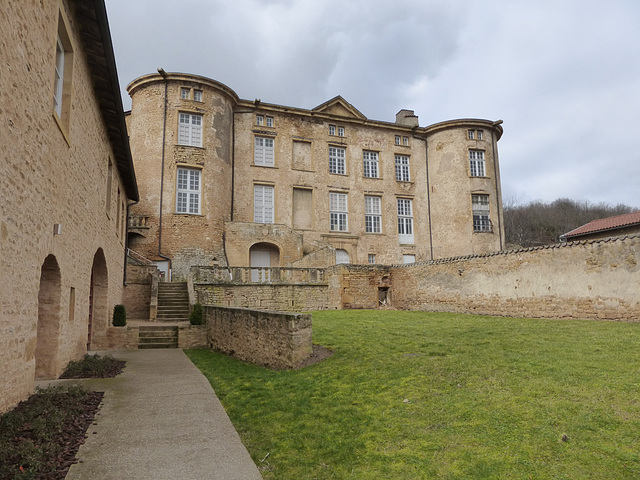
[173,302]
[158,336]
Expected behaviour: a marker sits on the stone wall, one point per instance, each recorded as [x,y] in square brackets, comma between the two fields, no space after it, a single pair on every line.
[286,298]
[137,292]
[590,280]
[62,215]
[272,339]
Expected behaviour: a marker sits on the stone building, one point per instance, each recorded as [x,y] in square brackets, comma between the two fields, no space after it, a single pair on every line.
[232,182]
[626,224]
[66,179]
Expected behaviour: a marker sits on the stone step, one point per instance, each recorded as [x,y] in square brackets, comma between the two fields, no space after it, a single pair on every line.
[158,336]
[142,346]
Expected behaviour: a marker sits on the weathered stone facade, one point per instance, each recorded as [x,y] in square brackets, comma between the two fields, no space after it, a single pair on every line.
[67,178]
[226,181]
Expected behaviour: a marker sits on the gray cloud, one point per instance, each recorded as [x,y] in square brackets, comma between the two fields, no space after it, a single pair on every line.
[564,76]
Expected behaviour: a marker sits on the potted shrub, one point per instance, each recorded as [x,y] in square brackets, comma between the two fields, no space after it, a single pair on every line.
[119,316]
[196,315]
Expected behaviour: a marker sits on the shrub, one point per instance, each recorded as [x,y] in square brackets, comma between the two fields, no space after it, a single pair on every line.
[196,315]
[119,316]
[94,366]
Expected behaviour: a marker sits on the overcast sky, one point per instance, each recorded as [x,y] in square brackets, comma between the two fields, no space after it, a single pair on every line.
[564,75]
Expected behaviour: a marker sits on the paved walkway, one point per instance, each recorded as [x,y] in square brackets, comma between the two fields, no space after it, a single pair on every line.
[160,419]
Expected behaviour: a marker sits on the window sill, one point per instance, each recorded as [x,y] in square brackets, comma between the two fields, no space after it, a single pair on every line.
[62,127]
[264,166]
[189,146]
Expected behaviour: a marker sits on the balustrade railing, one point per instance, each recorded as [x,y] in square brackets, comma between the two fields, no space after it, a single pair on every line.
[271,275]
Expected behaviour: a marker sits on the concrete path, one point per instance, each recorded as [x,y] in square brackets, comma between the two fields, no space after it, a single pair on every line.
[160,419]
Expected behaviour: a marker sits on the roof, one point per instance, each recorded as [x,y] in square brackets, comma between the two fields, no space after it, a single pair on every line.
[98,47]
[603,224]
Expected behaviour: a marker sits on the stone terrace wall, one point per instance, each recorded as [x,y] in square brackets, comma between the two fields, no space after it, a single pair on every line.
[272,339]
[137,292]
[591,280]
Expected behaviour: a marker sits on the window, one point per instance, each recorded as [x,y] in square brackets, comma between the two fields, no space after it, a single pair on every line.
[476,163]
[405,221]
[197,95]
[480,134]
[188,191]
[109,181]
[480,207]
[259,120]
[263,154]
[63,73]
[263,199]
[341,131]
[338,212]
[185,93]
[190,130]
[405,141]
[402,168]
[372,258]
[372,214]
[332,129]
[398,139]
[269,121]
[471,134]
[337,160]
[370,164]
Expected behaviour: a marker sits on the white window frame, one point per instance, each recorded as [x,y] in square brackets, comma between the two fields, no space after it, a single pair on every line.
[337,160]
[398,139]
[371,258]
[405,141]
[405,220]
[372,214]
[332,129]
[341,131]
[185,93]
[269,121]
[470,134]
[480,134]
[264,152]
[403,171]
[476,163]
[190,129]
[263,203]
[260,120]
[370,164]
[338,212]
[188,191]
[481,213]
[197,95]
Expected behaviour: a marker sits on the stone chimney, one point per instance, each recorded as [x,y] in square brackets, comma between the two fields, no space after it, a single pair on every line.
[407,117]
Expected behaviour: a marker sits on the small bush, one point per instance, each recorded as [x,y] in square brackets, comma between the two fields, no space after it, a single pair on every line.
[119,316]
[195,318]
[94,366]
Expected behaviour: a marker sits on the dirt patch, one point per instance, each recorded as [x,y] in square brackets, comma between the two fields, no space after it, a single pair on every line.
[319,354]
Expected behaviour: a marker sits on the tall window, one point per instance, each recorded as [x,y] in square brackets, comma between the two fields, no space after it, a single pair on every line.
[188,191]
[405,220]
[259,120]
[341,131]
[337,160]
[263,154]
[476,163]
[269,121]
[370,164]
[63,73]
[338,212]
[332,129]
[402,168]
[263,198]
[59,78]
[185,93]
[197,95]
[480,207]
[372,214]
[190,130]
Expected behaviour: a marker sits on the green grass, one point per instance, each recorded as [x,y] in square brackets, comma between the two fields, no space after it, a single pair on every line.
[410,395]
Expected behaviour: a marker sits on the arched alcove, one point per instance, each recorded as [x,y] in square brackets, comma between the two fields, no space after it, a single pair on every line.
[48,330]
[98,296]
[263,256]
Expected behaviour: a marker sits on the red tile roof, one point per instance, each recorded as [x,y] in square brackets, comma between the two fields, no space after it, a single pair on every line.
[610,223]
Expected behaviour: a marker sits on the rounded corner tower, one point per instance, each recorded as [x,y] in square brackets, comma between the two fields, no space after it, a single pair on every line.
[181,137]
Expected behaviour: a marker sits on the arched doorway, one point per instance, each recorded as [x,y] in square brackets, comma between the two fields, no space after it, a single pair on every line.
[98,294]
[48,330]
[342,256]
[263,256]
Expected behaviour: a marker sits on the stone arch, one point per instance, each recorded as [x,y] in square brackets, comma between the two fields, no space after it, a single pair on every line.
[48,329]
[263,255]
[98,296]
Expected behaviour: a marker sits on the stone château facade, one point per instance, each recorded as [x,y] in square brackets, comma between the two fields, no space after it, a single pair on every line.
[232,182]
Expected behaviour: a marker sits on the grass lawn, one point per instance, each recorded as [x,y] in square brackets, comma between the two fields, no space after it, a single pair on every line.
[412,395]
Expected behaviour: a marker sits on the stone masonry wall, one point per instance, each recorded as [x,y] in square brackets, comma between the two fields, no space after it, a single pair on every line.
[272,339]
[137,292]
[590,280]
[285,298]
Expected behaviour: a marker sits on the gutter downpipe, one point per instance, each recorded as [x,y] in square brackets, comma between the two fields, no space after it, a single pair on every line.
[426,157]
[498,181]
[163,74]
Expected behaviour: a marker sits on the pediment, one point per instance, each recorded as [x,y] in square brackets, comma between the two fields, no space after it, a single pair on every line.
[340,107]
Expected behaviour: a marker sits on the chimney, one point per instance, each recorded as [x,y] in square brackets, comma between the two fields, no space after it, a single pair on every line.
[407,117]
